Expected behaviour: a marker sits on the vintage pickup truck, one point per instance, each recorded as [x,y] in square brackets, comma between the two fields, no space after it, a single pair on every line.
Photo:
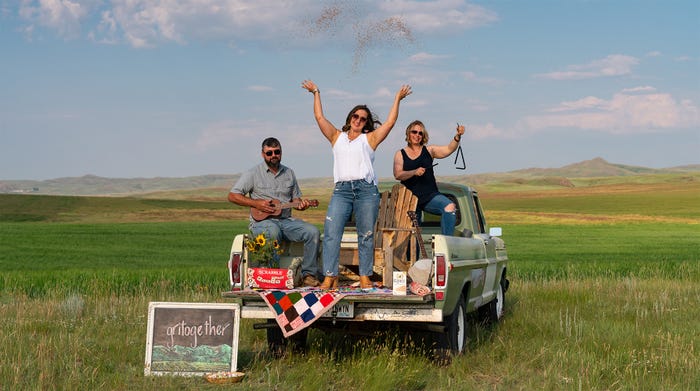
[468,275]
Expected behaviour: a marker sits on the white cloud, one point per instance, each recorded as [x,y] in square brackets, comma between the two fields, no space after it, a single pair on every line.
[148,23]
[439,16]
[63,16]
[589,102]
[260,88]
[639,89]
[612,65]
[631,111]
[426,58]
[471,76]
[488,130]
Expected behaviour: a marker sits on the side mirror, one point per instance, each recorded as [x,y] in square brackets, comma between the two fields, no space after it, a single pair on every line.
[495,231]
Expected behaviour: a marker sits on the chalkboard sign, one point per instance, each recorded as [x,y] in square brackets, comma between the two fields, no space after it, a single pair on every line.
[191,338]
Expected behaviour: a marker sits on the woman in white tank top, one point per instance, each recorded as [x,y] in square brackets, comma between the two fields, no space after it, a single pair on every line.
[355,188]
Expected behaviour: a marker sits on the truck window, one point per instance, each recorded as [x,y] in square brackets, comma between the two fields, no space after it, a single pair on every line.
[481,225]
[431,220]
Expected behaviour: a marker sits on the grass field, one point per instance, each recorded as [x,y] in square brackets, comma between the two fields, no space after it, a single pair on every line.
[605,287]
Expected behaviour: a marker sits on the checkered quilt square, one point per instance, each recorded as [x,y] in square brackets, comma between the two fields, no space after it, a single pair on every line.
[295,310]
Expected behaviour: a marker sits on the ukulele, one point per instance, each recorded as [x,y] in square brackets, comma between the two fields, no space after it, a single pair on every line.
[259,215]
[419,236]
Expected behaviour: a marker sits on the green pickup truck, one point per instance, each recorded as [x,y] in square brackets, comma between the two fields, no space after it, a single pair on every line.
[468,275]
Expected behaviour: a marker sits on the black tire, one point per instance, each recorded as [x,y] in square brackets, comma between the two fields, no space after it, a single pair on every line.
[277,344]
[298,341]
[454,340]
[496,306]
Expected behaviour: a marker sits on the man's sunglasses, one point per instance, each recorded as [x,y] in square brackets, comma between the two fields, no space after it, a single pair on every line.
[275,151]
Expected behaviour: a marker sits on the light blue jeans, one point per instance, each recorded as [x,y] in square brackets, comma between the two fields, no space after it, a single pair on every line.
[436,206]
[359,197]
[293,230]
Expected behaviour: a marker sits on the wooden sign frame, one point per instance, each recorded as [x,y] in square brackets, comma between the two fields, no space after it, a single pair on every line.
[192,339]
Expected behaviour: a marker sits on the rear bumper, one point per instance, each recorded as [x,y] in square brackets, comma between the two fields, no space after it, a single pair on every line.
[380,308]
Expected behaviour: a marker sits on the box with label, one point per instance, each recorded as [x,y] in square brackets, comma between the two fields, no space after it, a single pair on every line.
[399,288]
[266,278]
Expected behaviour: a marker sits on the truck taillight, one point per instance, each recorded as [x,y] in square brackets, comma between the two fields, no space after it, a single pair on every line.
[440,271]
[234,269]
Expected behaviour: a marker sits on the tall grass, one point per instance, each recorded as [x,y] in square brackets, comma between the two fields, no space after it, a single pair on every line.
[567,334]
[649,251]
[591,306]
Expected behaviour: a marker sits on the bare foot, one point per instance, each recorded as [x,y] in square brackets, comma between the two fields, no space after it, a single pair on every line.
[418,289]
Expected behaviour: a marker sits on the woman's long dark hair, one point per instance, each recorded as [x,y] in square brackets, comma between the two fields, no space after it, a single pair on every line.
[370,124]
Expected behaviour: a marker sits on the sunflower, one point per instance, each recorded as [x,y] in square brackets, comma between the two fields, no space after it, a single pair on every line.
[263,251]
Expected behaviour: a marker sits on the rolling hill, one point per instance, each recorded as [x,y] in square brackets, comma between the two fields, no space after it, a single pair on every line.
[566,176]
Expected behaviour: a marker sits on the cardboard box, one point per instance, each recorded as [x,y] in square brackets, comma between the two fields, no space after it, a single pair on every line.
[267,278]
[399,288]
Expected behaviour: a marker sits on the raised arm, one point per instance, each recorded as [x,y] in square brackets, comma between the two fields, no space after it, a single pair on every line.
[327,128]
[442,151]
[379,134]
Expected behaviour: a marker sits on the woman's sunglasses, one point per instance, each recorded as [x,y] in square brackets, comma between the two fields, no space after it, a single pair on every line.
[357,116]
[419,132]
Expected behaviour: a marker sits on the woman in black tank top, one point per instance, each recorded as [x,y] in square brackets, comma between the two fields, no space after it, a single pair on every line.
[413,166]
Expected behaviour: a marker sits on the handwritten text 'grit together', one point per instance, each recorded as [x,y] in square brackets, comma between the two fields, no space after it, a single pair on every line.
[183,329]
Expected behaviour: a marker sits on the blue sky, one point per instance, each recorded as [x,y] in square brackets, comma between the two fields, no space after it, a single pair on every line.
[136,88]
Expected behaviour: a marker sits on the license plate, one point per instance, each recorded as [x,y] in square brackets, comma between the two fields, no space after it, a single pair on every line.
[341,310]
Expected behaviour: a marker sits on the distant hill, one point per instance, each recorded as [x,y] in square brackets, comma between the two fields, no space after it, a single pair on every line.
[597,167]
[564,176]
[95,185]
[570,175]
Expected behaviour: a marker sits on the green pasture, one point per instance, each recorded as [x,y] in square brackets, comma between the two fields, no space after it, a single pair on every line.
[590,306]
[683,204]
[658,195]
[28,207]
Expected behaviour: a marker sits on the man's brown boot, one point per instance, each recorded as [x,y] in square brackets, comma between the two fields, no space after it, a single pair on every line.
[310,280]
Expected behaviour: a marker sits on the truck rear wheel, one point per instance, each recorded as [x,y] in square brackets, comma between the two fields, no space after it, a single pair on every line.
[494,309]
[277,344]
[454,340]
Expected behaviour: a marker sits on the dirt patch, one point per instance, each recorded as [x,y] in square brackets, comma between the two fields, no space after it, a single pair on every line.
[314,216]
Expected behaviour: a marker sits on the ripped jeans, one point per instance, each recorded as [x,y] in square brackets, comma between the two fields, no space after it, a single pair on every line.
[437,206]
[359,197]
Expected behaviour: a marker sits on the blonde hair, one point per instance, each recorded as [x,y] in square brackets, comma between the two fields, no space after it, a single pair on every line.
[424,139]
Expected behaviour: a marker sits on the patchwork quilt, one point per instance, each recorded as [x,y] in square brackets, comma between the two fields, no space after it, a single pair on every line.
[297,309]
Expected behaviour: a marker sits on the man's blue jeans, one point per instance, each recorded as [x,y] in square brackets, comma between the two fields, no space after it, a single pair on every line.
[293,230]
[359,197]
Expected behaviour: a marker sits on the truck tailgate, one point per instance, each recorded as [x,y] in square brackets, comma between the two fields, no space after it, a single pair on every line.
[380,307]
